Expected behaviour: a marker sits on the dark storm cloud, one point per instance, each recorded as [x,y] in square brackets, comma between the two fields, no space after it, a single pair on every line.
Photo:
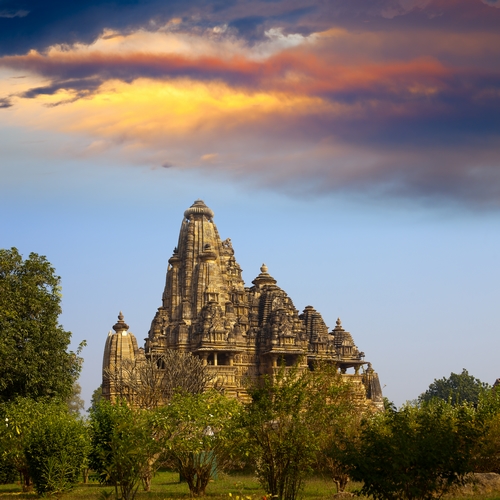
[32,24]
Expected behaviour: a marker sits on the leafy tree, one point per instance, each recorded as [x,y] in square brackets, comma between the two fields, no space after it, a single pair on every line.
[417,452]
[16,421]
[342,433]
[289,422]
[33,346]
[457,389]
[123,446]
[487,450]
[8,472]
[95,399]
[200,436]
[75,402]
[151,382]
[56,451]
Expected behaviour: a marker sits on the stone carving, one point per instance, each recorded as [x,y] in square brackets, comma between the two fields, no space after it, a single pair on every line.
[207,310]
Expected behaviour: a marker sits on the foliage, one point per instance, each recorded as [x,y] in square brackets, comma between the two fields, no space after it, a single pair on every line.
[33,346]
[56,452]
[95,399]
[456,389]
[200,436]
[153,381]
[417,452]
[123,446]
[75,402]
[342,433]
[288,422]
[17,419]
[8,472]
[487,452]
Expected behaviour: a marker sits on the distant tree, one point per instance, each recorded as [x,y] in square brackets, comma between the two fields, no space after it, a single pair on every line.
[456,389]
[96,398]
[416,452]
[35,361]
[75,402]
[150,382]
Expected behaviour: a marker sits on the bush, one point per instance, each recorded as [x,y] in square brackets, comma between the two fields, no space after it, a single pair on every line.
[123,446]
[56,452]
[8,471]
[417,452]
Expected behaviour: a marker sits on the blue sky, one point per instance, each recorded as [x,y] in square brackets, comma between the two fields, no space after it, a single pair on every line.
[354,150]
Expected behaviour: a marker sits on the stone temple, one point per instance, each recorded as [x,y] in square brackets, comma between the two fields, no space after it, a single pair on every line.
[237,331]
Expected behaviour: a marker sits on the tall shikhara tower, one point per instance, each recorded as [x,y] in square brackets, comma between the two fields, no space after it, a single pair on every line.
[238,331]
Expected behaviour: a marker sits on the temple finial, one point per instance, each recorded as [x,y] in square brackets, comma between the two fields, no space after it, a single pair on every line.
[120,325]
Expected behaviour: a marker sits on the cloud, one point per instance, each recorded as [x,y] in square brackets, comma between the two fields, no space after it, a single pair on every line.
[5,102]
[39,25]
[9,14]
[395,98]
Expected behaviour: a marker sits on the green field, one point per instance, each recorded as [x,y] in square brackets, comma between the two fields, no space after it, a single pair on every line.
[166,486]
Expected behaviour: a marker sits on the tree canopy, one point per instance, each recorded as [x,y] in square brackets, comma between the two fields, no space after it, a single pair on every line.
[34,358]
[457,388]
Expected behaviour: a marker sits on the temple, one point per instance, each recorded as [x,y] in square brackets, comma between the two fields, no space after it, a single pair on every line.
[237,331]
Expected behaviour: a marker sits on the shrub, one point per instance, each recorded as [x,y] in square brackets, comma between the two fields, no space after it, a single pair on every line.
[56,452]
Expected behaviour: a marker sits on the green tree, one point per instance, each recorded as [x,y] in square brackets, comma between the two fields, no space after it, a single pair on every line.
[16,420]
[95,399]
[487,451]
[289,422]
[123,446]
[33,346]
[457,388]
[416,452]
[56,451]
[201,434]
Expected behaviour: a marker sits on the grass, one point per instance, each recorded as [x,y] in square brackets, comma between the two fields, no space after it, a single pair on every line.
[166,486]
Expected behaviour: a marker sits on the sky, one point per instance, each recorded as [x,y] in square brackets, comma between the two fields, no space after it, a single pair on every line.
[352,146]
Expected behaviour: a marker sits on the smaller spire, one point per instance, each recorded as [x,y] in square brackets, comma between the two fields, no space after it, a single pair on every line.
[264,278]
[120,326]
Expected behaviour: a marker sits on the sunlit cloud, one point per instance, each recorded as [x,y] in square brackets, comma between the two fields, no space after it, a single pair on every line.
[408,110]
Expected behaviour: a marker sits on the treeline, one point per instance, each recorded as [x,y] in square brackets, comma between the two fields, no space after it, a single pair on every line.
[295,425]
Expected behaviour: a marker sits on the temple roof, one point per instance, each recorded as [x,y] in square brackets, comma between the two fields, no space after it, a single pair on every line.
[199,208]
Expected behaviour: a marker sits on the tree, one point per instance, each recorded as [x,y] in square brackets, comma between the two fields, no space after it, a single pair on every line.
[457,389]
[289,422]
[75,402]
[33,346]
[95,399]
[201,434]
[56,451]
[123,446]
[16,421]
[417,452]
[151,382]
